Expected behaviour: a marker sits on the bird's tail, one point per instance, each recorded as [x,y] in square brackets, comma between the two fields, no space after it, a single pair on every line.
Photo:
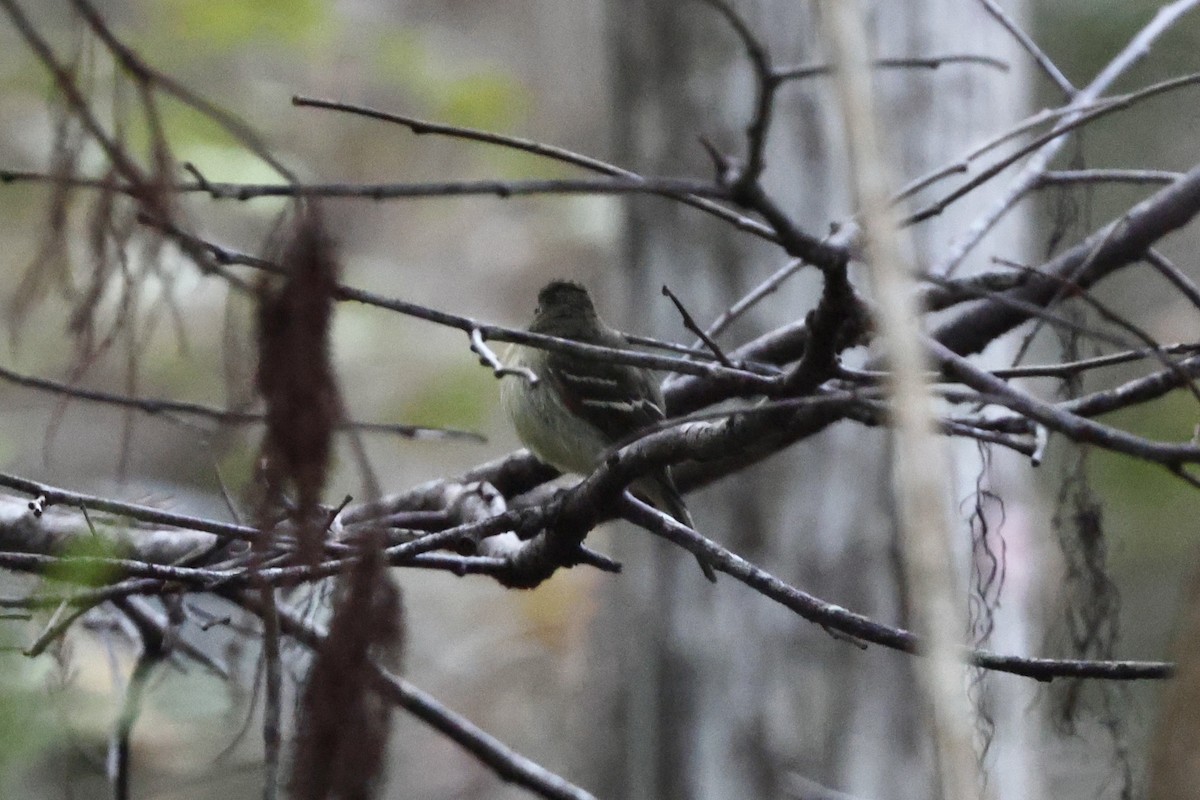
[662,493]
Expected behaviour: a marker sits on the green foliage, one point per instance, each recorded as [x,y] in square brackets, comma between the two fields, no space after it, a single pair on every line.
[228,24]
[458,397]
[485,97]
[83,565]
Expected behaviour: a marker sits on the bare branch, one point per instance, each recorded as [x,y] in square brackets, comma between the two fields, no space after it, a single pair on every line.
[1121,242]
[1031,172]
[1040,143]
[165,408]
[489,359]
[1134,176]
[690,324]
[1026,41]
[421,127]
[912,62]
[866,629]
[505,762]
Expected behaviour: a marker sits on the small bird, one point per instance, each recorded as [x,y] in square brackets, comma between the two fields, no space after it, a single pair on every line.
[579,408]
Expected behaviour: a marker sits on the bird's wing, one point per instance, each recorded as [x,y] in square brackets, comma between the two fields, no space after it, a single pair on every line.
[617,399]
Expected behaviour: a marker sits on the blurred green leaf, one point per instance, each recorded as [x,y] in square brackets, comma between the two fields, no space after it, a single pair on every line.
[402,59]
[226,24]
[455,397]
[487,100]
[79,567]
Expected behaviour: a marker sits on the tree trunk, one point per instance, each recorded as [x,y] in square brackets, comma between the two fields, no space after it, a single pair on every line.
[713,691]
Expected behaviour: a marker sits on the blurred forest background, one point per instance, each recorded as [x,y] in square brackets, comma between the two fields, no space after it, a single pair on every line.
[515,663]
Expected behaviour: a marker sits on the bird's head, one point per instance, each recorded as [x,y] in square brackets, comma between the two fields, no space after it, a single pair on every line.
[563,306]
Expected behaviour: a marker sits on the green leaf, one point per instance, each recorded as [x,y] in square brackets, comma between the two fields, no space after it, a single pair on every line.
[81,566]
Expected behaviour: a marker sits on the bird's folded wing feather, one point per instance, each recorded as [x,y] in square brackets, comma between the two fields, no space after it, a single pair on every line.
[615,398]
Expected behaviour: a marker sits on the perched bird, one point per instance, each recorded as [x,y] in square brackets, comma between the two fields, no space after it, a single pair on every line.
[579,408]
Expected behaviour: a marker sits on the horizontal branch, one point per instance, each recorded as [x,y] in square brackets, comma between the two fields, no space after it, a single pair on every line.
[864,628]
[43,495]
[1059,419]
[153,406]
[912,62]
[1139,390]
[742,372]
[1121,242]
[422,127]
[570,515]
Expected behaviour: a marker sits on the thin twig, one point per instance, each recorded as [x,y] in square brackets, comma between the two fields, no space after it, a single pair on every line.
[766,82]
[502,189]
[1069,369]
[1031,172]
[52,495]
[690,324]
[504,761]
[421,127]
[1068,287]
[1177,277]
[754,296]
[1069,124]
[153,406]
[911,62]
[1026,41]
[864,628]
[1061,420]
[1031,122]
[1137,391]
[1110,247]
[1133,176]
[489,332]
[489,359]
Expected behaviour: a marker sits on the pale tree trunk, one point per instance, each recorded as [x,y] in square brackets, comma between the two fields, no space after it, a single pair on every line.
[713,692]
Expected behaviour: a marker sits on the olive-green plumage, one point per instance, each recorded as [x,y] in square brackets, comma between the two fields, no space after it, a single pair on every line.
[579,407]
